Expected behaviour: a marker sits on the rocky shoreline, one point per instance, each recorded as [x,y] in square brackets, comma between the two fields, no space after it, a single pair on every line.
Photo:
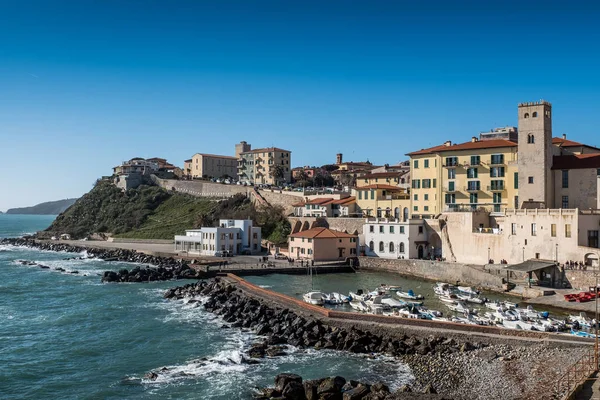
[163,268]
[455,368]
[293,387]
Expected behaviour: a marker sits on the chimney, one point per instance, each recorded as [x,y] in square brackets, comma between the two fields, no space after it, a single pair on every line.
[338,158]
[448,143]
[473,139]
[564,136]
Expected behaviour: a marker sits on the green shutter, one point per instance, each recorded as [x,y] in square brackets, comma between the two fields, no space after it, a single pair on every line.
[516,180]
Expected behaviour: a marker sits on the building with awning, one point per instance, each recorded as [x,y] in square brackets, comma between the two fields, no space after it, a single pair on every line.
[534,271]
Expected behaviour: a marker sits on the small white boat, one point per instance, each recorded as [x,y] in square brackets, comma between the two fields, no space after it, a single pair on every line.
[443,289]
[582,319]
[471,298]
[393,303]
[494,305]
[461,307]
[329,298]
[359,305]
[467,289]
[314,298]
[510,304]
[340,297]
[530,312]
[412,313]
[358,295]
[409,295]
[451,299]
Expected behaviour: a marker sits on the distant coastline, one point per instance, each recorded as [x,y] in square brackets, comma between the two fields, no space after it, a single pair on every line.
[47,208]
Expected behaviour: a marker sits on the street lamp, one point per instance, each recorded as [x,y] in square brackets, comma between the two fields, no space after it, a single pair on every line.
[523,254]
[489,255]
[556,253]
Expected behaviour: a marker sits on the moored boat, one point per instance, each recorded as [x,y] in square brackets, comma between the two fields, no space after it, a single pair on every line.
[314,298]
[409,295]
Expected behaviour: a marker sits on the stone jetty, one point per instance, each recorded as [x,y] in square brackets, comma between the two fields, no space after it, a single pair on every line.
[292,386]
[456,366]
[162,268]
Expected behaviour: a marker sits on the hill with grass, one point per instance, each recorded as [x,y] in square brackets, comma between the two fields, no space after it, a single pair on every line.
[150,212]
[47,208]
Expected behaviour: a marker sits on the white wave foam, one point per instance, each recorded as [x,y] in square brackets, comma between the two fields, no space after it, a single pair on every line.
[265,286]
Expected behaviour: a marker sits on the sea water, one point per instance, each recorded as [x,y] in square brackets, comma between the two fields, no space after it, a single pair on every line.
[68,336]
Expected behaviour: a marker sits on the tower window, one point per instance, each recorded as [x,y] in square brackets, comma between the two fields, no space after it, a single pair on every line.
[534,115]
[547,113]
[530,138]
[526,115]
[530,179]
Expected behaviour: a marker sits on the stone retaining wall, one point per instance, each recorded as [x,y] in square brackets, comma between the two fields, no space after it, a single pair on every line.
[581,280]
[147,241]
[435,270]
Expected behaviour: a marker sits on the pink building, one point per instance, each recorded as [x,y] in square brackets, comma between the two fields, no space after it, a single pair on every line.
[322,244]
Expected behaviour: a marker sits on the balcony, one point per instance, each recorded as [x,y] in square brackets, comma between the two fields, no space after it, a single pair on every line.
[451,164]
[448,189]
[496,188]
[472,189]
[497,161]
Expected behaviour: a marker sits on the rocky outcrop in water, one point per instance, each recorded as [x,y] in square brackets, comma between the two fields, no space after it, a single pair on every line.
[293,387]
[165,268]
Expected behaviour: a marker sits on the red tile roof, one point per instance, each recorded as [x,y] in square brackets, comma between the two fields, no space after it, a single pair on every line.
[322,233]
[379,186]
[480,144]
[345,202]
[579,161]
[214,155]
[374,175]
[266,150]
[188,161]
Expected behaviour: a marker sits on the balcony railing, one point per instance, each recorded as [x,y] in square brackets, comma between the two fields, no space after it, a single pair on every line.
[472,188]
[449,190]
[497,161]
[496,188]
[451,164]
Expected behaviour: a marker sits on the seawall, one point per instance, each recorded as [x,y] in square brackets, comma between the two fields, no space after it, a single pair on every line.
[435,270]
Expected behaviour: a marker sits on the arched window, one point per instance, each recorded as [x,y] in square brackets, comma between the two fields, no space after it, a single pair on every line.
[371,245]
[530,139]
[378,212]
[547,113]
[526,115]
[391,247]
[534,115]
[405,217]
[401,247]
[387,212]
[402,180]
[381,247]
[397,212]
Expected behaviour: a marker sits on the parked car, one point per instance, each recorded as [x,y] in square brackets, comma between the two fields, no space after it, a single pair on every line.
[279,256]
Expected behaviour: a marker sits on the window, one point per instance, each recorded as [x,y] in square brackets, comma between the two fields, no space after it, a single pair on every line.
[401,229]
[497,198]
[534,114]
[392,229]
[473,185]
[434,183]
[372,195]
[530,179]
[553,230]
[309,240]
[415,197]
[426,183]
[381,229]
[450,198]
[416,184]
[420,229]
[497,159]
[451,161]
[472,173]
[452,174]
[371,228]
[526,115]
[401,247]
[426,208]
[530,139]
[568,230]
[516,177]
[475,160]
[371,245]
[391,247]
[473,198]
[593,239]
[360,194]
[379,214]
[416,164]
[565,179]
[353,251]
[533,229]
[497,172]
[513,229]
[381,247]
[425,163]
[416,208]
[497,185]
[426,197]
[451,185]
[310,251]
[565,202]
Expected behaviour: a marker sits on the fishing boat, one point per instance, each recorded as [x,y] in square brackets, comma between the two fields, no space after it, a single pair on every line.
[461,307]
[393,303]
[359,295]
[451,299]
[314,297]
[530,312]
[443,289]
[582,320]
[359,305]
[494,305]
[471,298]
[409,295]
[468,290]
[412,313]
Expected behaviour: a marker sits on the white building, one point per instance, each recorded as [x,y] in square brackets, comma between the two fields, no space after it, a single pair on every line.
[234,236]
[391,238]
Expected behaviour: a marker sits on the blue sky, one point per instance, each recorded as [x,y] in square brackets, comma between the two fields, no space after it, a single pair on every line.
[86,84]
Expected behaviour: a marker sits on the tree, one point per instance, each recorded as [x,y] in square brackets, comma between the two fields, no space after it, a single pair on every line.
[277,173]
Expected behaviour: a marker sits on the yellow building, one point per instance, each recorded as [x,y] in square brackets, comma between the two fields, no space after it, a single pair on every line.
[382,200]
[212,166]
[265,166]
[480,174]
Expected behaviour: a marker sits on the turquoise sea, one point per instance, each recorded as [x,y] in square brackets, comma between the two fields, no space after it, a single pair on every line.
[67,336]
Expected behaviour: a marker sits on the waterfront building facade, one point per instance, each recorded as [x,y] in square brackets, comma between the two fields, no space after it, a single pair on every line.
[322,244]
[326,207]
[382,201]
[396,239]
[233,236]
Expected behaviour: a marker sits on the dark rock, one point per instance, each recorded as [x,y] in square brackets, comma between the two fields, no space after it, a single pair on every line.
[310,389]
[282,380]
[356,393]
[331,385]
[429,389]
[293,390]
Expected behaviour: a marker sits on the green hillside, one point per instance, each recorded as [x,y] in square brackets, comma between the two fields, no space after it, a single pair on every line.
[150,212]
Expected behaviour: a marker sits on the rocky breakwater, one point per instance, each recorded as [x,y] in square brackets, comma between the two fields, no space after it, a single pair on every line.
[453,366]
[293,387]
[163,268]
